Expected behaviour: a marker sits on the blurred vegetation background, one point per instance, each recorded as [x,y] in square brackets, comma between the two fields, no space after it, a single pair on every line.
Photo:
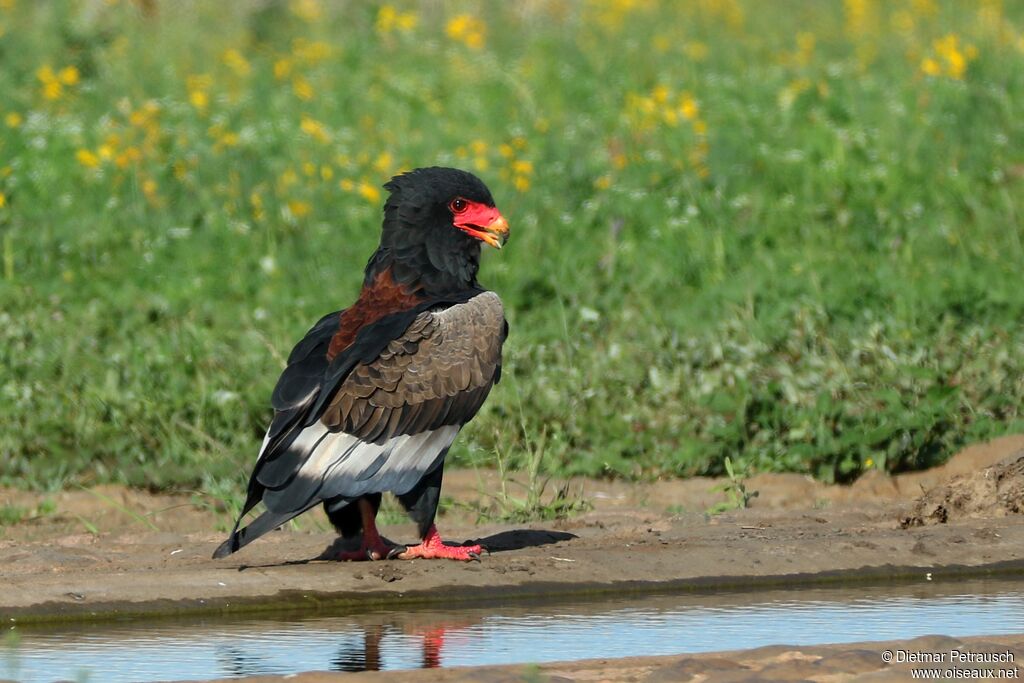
[787,233]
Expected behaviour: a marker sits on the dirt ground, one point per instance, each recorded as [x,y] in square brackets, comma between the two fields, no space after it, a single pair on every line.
[112,551]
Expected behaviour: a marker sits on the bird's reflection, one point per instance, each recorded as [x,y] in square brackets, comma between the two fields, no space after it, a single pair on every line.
[369,657]
[353,658]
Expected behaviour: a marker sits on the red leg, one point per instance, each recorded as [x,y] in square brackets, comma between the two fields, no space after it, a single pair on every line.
[433,640]
[372,546]
[433,548]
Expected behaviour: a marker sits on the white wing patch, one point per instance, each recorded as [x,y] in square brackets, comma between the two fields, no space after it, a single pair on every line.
[341,464]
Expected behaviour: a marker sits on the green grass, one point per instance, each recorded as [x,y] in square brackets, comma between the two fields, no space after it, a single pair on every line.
[726,241]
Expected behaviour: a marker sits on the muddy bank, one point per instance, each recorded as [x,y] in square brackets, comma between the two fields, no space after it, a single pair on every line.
[113,551]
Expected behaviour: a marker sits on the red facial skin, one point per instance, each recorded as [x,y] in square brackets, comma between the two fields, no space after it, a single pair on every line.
[479,221]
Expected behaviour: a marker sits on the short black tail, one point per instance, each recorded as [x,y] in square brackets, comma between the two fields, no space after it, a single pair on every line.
[268,521]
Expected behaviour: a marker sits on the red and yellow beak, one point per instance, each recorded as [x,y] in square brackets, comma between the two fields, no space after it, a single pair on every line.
[484,223]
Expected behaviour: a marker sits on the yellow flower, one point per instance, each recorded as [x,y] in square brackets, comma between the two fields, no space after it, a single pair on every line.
[307,10]
[521,183]
[257,205]
[950,58]
[390,19]
[302,88]
[506,150]
[197,86]
[688,107]
[228,139]
[315,129]
[479,147]
[957,64]
[406,21]
[199,99]
[287,179]
[481,164]
[467,29]
[604,182]
[68,75]
[386,17]
[87,158]
[660,94]
[13,119]
[52,90]
[310,53]
[346,185]
[282,68]
[924,7]
[128,156]
[860,16]
[299,208]
[522,167]
[369,192]
[236,62]
[383,163]
[3,200]
[54,82]
[326,172]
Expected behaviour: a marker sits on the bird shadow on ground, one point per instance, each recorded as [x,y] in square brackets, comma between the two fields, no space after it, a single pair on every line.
[516,539]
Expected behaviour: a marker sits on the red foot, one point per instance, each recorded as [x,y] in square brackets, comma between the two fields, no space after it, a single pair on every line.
[369,549]
[372,546]
[433,548]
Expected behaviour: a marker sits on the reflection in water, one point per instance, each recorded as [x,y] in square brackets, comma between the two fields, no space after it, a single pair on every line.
[237,662]
[552,631]
[365,658]
[430,639]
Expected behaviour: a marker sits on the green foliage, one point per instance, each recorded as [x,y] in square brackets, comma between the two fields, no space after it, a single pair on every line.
[790,239]
[531,500]
[735,490]
[13,514]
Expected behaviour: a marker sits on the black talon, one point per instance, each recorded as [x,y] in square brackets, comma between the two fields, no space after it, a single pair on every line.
[396,551]
[474,556]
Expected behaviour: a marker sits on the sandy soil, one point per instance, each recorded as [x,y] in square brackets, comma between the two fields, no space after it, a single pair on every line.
[112,551]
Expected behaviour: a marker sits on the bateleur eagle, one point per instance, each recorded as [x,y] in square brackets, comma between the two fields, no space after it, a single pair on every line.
[374,395]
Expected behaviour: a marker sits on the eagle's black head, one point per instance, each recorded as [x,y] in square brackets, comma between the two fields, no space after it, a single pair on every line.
[434,222]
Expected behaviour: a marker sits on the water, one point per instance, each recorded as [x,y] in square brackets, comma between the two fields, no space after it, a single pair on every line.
[392,639]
